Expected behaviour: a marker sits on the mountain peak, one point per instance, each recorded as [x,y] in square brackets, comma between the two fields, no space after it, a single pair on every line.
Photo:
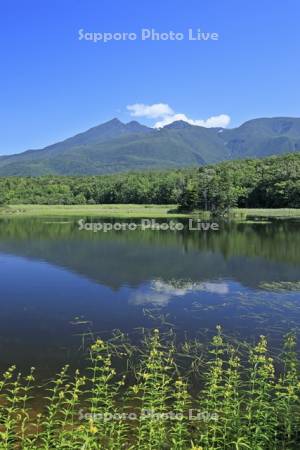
[115,146]
[134,122]
[178,124]
[136,127]
[114,121]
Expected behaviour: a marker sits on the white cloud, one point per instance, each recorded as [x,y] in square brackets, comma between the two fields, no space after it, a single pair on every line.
[167,116]
[222,121]
[160,293]
[216,288]
[150,111]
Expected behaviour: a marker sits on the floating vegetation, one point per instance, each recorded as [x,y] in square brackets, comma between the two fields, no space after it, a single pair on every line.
[243,402]
[281,286]
[80,320]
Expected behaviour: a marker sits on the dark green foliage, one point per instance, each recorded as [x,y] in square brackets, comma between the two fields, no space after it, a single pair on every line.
[259,183]
[141,188]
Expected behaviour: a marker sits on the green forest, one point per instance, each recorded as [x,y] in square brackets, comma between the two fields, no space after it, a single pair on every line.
[272,182]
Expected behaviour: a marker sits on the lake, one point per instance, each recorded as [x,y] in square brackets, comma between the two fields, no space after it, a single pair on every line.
[58,283]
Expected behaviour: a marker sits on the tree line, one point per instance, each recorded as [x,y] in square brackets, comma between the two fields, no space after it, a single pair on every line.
[272,182]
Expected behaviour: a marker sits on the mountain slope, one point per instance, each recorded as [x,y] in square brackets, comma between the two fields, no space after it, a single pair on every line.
[263,137]
[116,147]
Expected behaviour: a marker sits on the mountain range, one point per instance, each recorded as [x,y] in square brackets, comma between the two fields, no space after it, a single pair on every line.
[117,147]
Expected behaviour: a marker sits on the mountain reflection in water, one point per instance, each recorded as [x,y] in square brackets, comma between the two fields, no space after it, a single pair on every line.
[52,273]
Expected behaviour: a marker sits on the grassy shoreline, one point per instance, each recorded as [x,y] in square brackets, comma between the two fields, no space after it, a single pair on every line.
[117,211]
[268,213]
[135,211]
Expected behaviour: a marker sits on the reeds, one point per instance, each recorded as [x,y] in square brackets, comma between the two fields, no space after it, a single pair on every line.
[246,401]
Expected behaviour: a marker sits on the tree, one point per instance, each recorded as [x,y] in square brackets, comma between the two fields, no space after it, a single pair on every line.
[2,199]
[189,197]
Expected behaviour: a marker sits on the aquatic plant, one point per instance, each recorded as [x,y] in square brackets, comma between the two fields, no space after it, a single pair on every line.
[242,399]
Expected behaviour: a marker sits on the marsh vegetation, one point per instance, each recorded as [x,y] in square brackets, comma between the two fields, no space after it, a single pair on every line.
[159,395]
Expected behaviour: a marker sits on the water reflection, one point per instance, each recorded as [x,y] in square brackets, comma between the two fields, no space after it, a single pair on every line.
[160,293]
[248,253]
[244,276]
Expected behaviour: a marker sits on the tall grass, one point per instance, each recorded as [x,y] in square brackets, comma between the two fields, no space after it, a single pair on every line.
[245,401]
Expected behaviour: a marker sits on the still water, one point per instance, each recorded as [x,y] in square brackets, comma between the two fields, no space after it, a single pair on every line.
[57,283]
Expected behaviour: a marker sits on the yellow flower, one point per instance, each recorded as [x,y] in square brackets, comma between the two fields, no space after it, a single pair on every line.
[93,429]
[98,345]
[29,378]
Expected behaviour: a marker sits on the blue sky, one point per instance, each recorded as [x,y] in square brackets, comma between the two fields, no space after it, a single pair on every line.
[54,85]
